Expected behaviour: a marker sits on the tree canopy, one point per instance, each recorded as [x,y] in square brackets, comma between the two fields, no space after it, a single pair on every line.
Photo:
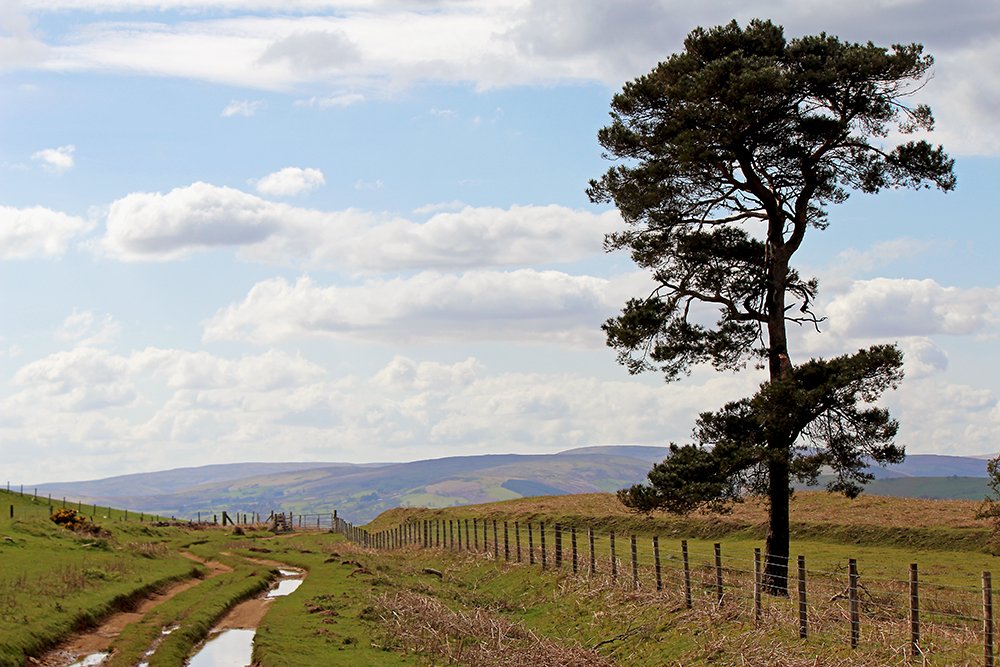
[728,153]
[819,409]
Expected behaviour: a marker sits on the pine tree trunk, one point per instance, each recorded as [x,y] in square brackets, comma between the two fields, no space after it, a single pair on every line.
[776,547]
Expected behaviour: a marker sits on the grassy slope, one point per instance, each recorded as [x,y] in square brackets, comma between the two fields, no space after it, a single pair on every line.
[359,607]
[54,581]
[885,535]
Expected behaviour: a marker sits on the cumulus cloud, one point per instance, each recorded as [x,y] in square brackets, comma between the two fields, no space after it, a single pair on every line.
[157,227]
[523,305]
[57,160]
[885,307]
[88,378]
[37,232]
[245,108]
[405,373]
[291,181]
[160,406]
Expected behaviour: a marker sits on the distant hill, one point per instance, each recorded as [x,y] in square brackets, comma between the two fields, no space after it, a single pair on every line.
[360,492]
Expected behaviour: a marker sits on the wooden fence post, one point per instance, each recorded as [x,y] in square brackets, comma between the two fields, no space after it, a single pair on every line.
[803,607]
[531,545]
[987,619]
[467,545]
[914,612]
[451,534]
[635,564]
[558,546]
[475,532]
[573,539]
[852,590]
[517,539]
[687,574]
[614,561]
[486,537]
[656,563]
[496,542]
[506,543]
[458,522]
[718,574]
[593,560]
[757,611]
[541,533]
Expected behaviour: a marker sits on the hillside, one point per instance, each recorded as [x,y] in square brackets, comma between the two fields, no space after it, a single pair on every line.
[363,491]
[490,602]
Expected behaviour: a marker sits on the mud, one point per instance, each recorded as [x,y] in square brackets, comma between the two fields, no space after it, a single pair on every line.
[82,649]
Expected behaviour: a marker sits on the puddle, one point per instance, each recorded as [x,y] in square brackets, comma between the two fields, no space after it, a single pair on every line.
[231,648]
[234,647]
[284,587]
[91,660]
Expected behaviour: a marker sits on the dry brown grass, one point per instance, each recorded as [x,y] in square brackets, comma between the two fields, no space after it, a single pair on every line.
[476,637]
[807,507]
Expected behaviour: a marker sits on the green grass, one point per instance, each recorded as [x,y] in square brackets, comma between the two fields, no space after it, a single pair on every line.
[364,607]
[193,612]
[54,582]
[949,545]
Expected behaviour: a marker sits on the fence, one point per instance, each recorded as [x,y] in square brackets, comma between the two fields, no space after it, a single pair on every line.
[919,619]
[31,505]
[34,506]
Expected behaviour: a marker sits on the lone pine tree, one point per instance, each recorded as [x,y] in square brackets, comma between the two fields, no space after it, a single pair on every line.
[728,153]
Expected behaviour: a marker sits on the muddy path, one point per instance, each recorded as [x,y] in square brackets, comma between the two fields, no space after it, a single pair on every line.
[99,639]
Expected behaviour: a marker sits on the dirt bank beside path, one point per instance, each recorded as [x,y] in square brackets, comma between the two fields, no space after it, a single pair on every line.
[99,639]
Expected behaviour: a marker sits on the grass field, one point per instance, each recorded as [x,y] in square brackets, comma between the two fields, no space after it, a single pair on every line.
[411,605]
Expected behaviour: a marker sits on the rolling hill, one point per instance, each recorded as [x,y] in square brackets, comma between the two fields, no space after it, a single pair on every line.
[361,491]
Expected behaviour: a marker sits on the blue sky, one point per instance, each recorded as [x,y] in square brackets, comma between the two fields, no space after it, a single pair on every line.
[353,230]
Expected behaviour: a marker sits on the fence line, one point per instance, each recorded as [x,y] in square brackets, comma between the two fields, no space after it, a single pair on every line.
[868,609]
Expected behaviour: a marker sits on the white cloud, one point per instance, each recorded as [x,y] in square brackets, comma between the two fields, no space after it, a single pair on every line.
[518,306]
[154,226]
[849,263]
[885,307]
[18,44]
[439,207]
[245,108]
[368,185]
[362,46]
[84,330]
[335,101]
[37,232]
[291,181]
[405,373]
[160,406]
[157,227]
[57,160]
[313,51]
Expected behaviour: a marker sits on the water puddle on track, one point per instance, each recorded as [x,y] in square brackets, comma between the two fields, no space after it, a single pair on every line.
[233,647]
[91,660]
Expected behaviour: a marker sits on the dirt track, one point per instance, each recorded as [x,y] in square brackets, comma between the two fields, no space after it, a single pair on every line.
[99,639]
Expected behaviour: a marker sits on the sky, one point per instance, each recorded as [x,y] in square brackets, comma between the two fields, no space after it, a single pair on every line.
[357,230]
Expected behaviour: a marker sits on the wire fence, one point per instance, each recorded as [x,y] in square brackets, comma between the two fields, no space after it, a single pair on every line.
[914,619]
